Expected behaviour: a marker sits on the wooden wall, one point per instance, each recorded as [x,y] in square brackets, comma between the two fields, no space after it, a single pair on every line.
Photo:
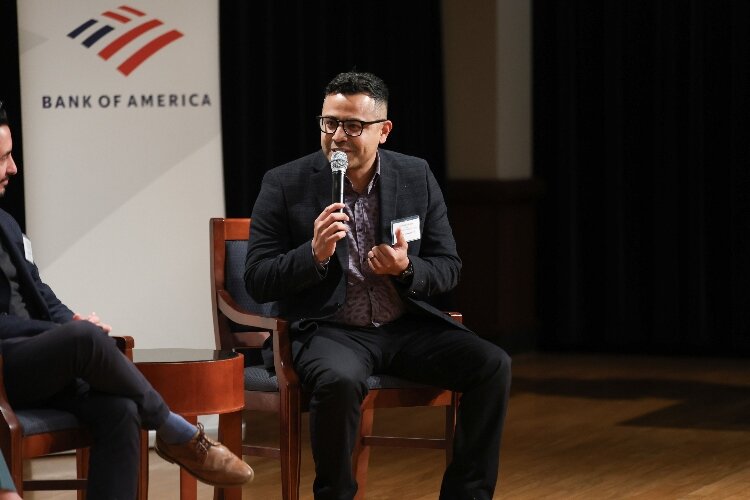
[494,223]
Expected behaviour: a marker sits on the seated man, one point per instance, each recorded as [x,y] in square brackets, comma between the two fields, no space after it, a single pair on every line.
[355,290]
[55,358]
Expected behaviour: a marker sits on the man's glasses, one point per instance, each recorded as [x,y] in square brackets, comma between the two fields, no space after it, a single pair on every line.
[352,128]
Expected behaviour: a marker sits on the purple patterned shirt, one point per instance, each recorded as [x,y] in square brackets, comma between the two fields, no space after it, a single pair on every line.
[371,299]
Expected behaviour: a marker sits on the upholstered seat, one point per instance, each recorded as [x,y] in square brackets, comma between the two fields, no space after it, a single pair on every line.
[41,420]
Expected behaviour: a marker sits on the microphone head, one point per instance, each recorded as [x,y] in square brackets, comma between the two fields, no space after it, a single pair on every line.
[339,161]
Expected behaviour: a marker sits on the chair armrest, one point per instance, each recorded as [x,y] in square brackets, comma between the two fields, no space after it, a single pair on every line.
[456,316]
[126,345]
[279,329]
[282,357]
[234,312]
[10,427]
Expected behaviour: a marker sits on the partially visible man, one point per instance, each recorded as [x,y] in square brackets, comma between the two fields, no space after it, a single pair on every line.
[7,488]
[55,358]
[356,287]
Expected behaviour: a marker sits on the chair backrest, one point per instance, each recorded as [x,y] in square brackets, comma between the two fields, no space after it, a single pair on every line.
[228,252]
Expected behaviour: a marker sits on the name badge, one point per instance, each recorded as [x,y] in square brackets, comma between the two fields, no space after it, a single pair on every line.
[27,253]
[409,228]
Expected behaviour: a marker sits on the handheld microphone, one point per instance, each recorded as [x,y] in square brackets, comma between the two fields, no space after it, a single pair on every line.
[339,164]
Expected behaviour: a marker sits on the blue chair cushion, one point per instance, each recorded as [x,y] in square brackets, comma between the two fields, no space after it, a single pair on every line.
[234,275]
[41,420]
[257,378]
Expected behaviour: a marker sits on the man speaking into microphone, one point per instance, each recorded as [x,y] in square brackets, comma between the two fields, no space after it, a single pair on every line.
[353,275]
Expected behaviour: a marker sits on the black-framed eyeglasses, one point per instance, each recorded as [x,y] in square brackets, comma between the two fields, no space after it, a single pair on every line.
[352,128]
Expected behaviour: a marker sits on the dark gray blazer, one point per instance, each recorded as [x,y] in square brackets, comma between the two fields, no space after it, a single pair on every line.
[280,265]
[44,307]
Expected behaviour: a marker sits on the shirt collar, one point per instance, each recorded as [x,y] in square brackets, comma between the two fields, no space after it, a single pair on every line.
[373,181]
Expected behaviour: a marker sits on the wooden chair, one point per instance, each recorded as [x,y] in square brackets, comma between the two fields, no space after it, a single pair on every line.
[240,323]
[26,434]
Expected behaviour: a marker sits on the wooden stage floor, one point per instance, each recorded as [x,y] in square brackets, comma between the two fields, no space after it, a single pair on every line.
[578,427]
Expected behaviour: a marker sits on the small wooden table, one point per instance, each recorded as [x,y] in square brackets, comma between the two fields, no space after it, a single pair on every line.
[197,382]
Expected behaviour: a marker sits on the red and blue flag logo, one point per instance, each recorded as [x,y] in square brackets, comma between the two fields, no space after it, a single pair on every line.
[124,30]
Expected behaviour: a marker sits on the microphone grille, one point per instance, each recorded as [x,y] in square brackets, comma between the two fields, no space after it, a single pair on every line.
[339,161]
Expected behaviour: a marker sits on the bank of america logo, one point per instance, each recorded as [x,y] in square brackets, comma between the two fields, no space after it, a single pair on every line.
[126,31]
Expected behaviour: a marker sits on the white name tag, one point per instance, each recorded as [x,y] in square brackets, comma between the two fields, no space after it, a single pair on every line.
[27,249]
[409,228]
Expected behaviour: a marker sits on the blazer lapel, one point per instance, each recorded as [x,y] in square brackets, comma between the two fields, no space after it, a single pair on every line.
[320,182]
[29,291]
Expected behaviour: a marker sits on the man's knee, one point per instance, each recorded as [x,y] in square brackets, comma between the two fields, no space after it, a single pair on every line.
[341,384]
[117,415]
[504,361]
[86,334]
[125,406]
[497,366]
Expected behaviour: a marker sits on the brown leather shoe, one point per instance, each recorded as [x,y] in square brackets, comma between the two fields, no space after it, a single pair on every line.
[207,460]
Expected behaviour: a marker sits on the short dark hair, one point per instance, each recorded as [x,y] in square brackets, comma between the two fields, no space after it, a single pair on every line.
[354,82]
[3,115]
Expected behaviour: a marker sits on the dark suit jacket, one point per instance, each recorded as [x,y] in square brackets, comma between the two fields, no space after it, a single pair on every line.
[280,265]
[44,307]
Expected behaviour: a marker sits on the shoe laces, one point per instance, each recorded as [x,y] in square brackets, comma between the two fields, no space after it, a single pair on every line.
[202,443]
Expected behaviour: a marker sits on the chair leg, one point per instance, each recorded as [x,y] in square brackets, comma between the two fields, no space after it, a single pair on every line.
[15,466]
[451,415]
[361,455]
[143,467]
[230,435]
[290,449]
[82,469]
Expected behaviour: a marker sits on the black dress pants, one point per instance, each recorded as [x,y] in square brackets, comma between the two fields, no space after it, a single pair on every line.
[76,367]
[334,361]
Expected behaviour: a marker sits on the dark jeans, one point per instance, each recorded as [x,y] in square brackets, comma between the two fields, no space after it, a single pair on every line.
[77,368]
[334,364]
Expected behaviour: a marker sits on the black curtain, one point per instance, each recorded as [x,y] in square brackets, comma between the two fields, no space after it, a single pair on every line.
[640,138]
[10,94]
[276,57]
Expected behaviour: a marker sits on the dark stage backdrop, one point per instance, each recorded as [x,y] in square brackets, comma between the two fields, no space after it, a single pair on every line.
[641,139]
[10,94]
[276,57]
[644,240]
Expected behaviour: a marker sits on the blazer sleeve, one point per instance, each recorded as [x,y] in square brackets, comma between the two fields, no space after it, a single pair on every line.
[42,302]
[58,312]
[437,266]
[277,266]
[13,326]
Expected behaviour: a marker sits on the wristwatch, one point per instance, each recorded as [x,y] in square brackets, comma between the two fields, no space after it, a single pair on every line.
[406,273]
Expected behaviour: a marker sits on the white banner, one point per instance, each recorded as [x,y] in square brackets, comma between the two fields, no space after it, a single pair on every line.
[123,167]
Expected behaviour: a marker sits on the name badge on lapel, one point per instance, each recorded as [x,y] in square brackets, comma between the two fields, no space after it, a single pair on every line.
[27,253]
[409,228]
